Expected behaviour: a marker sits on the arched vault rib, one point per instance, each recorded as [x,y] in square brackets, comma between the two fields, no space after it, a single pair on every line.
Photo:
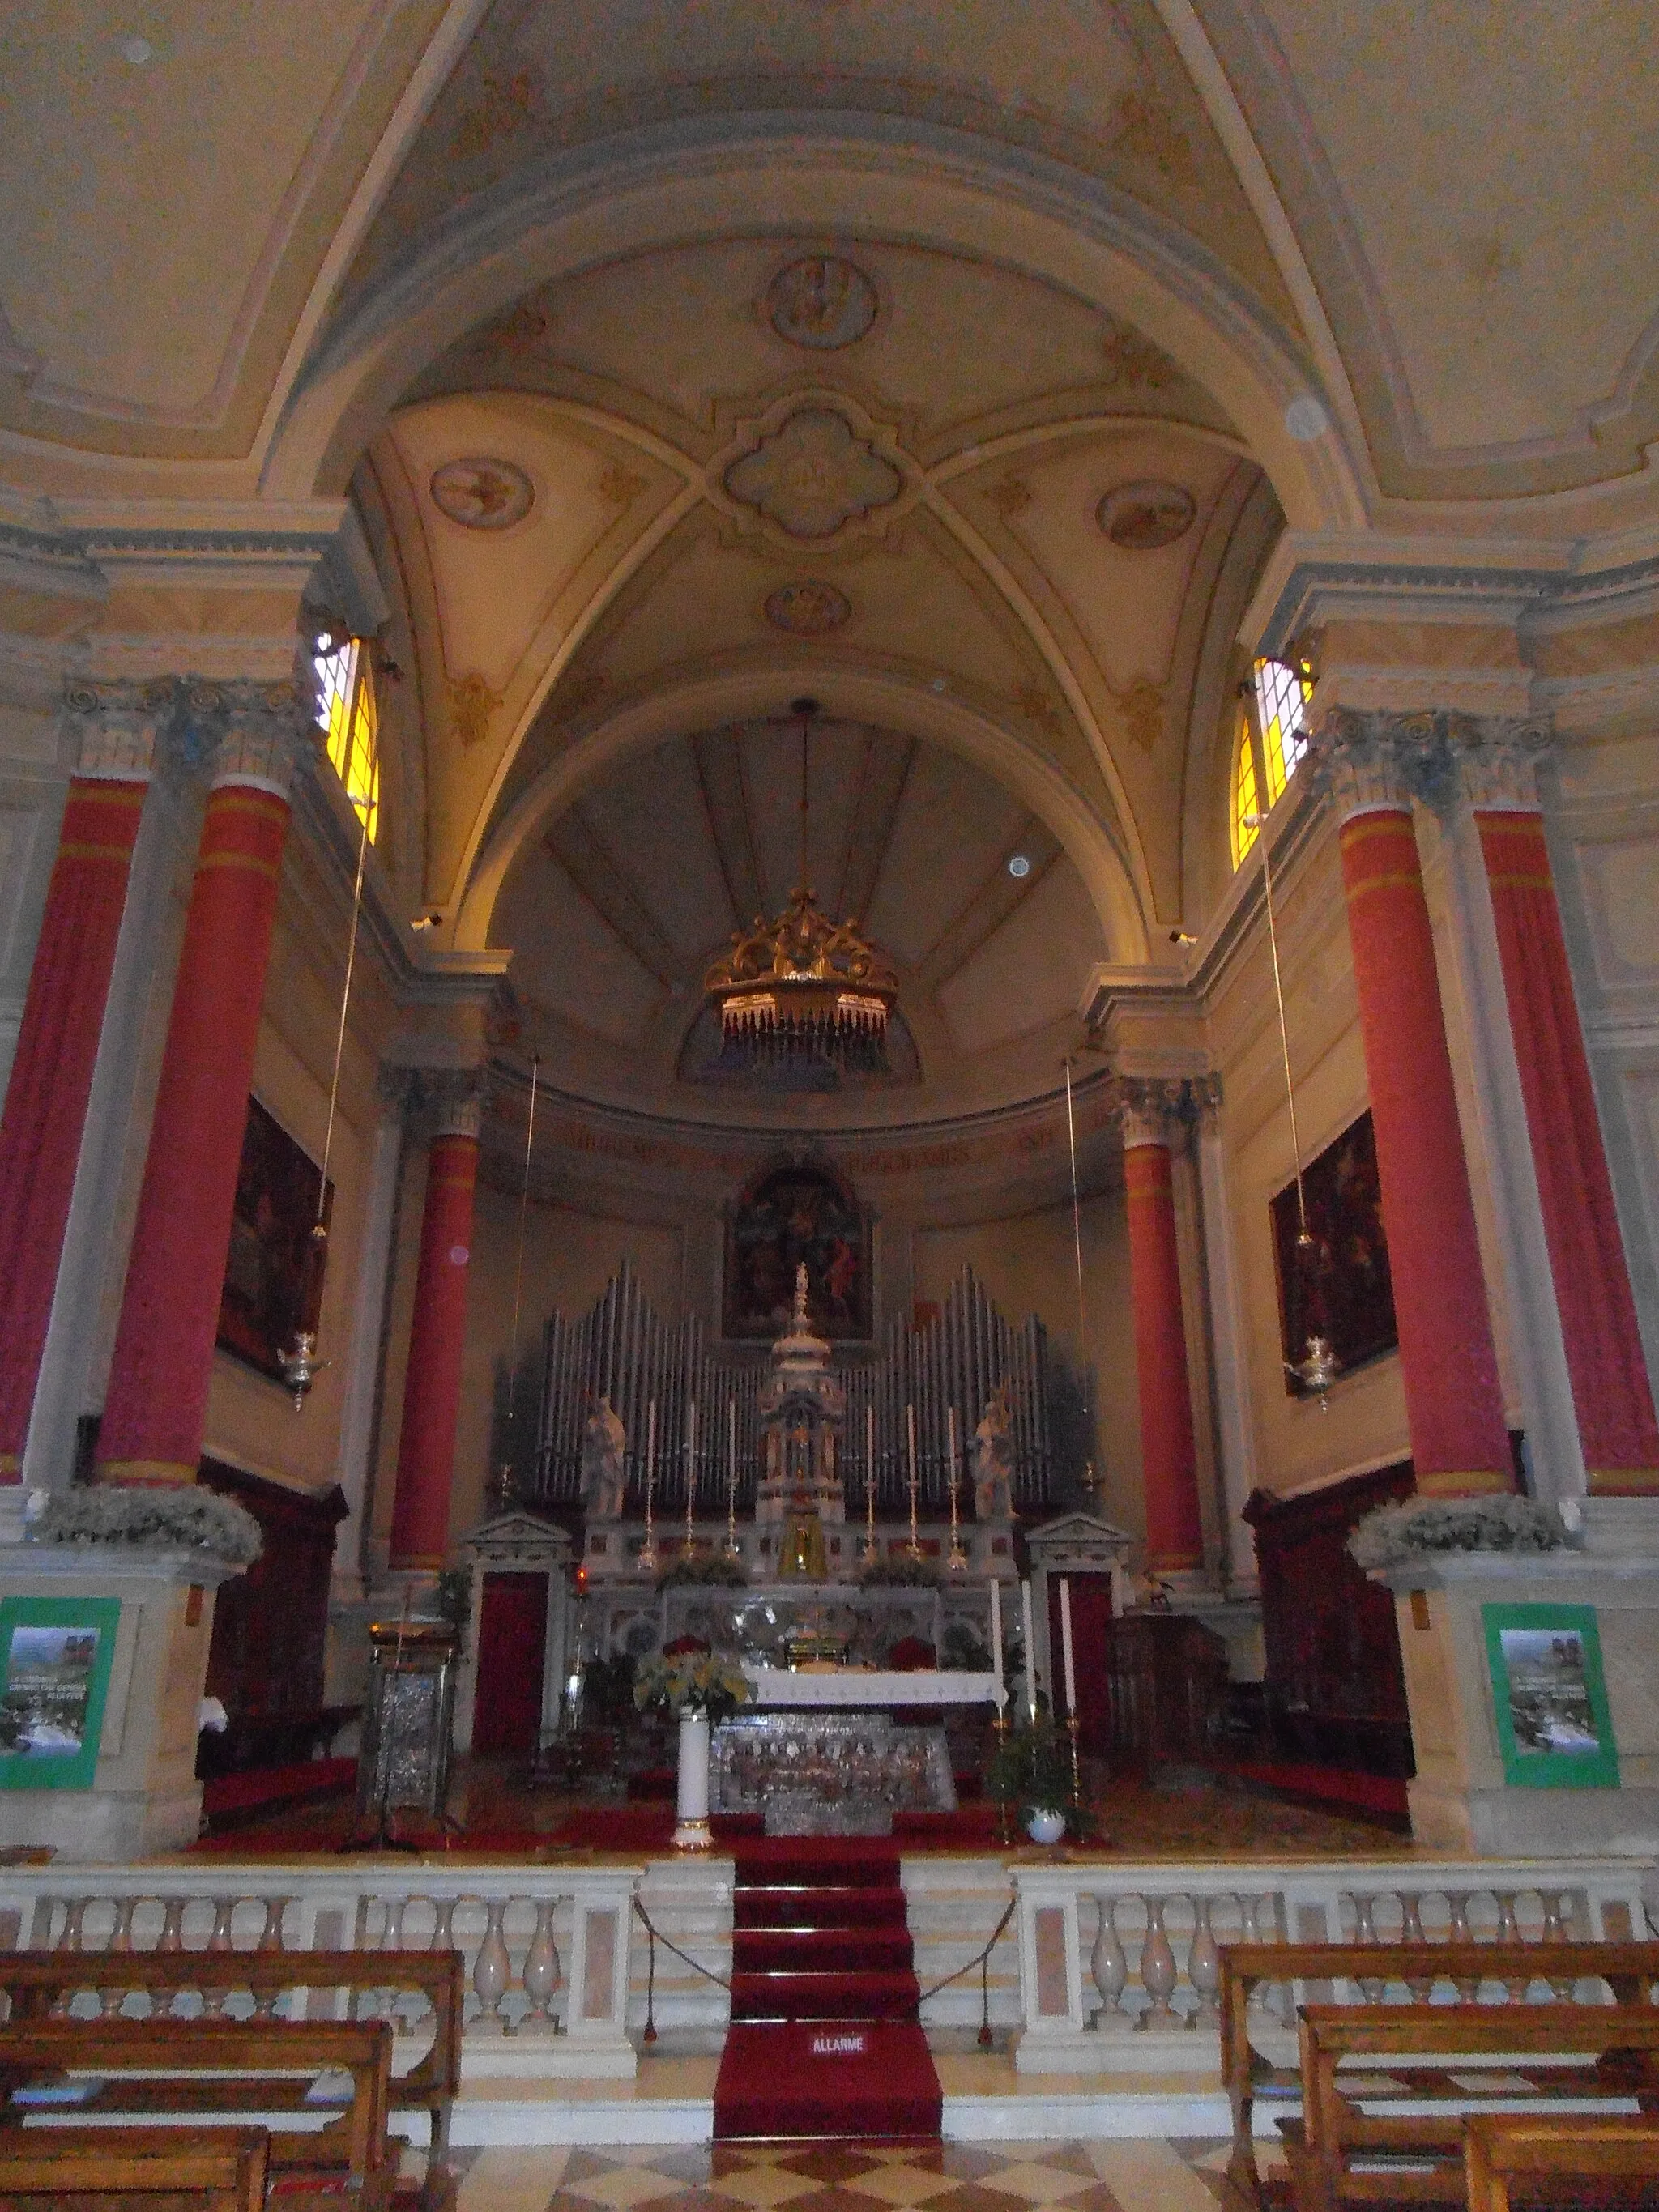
[849,175]
[858,695]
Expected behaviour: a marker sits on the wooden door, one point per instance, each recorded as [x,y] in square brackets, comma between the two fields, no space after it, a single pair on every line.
[507,1711]
[1092,1634]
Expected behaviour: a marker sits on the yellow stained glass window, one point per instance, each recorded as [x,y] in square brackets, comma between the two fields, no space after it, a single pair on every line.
[1282,693]
[346,715]
[1245,805]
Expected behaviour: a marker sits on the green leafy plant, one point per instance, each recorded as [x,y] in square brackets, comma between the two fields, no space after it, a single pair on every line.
[691,1682]
[959,1648]
[901,1571]
[714,1570]
[1419,1526]
[1032,1770]
[453,1596]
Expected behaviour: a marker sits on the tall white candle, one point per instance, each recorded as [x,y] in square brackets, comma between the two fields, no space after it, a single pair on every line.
[910,1441]
[1066,1647]
[732,1441]
[996,1639]
[1031,1646]
[650,1445]
[690,1466]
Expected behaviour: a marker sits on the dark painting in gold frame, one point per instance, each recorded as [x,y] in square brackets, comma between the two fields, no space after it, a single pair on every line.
[273,1286]
[1340,1289]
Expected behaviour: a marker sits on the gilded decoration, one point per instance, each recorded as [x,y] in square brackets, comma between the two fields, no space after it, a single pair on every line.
[524,330]
[620,484]
[481,495]
[1143,516]
[471,704]
[1011,495]
[821,302]
[1131,360]
[813,475]
[1141,705]
[808,609]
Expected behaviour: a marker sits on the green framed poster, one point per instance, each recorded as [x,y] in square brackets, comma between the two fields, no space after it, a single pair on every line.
[55,1654]
[1550,1696]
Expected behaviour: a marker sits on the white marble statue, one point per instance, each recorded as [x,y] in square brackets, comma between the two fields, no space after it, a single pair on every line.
[604,1465]
[994,1459]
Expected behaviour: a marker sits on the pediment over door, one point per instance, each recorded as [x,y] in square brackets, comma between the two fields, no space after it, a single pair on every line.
[517,1538]
[1078,1542]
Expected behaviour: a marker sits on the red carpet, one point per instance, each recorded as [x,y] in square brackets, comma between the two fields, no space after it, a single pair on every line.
[824,2039]
[1376,1797]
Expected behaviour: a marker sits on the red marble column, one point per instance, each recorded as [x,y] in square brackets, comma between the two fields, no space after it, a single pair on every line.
[1613,1396]
[437,1339]
[45,1108]
[1168,1459]
[156,1408]
[1454,1402]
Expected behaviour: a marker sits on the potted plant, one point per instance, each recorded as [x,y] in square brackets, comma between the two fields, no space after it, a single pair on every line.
[699,1686]
[1031,1771]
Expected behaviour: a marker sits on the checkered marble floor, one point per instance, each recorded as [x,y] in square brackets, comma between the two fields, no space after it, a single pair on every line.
[1158,2176]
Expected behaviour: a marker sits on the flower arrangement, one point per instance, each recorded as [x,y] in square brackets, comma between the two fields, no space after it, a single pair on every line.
[1419,1526]
[691,1681]
[901,1571]
[1032,1770]
[163,1518]
[714,1570]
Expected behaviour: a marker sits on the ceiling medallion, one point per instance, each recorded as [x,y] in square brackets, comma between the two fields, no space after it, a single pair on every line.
[804,988]
[813,474]
[809,609]
[822,303]
[1142,516]
[483,494]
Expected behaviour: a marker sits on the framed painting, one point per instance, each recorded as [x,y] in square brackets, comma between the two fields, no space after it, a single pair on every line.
[55,1654]
[1340,1289]
[274,1272]
[789,1217]
[1549,1694]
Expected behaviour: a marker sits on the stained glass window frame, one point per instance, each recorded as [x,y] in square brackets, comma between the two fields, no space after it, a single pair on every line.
[348,716]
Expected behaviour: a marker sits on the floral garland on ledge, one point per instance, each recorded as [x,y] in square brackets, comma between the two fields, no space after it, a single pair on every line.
[1419,1527]
[160,1517]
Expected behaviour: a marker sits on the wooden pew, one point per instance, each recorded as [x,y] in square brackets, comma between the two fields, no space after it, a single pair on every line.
[1630,1970]
[38,1984]
[133,2169]
[182,2072]
[1433,2055]
[1534,2149]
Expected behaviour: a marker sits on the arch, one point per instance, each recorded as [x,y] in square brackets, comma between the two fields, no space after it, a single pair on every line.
[927,184]
[866,696]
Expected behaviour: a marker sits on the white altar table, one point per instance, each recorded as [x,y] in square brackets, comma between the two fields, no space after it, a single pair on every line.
[854,1688]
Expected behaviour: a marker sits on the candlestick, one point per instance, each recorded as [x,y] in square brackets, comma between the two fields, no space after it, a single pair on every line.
[691,1470]
[1030,1648]
[910,1439]
[996,1643]
[869,1486]
[958,1559]
[1066,1643]
[648,1549]
[732,1476]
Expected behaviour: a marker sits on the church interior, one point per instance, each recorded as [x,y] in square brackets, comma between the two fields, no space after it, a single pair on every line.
[830,1026]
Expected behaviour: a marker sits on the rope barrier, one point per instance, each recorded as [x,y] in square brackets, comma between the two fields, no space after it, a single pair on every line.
[697,1966]
[982,1961]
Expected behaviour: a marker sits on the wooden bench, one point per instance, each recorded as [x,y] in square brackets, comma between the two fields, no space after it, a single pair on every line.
[38,1984]
[1441,2060]
[1534,2149]
[1629,1971]
[184,2071]
[133,2169]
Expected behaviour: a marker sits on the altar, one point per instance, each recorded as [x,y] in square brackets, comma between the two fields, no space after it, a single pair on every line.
[870,1688]
[828,1773]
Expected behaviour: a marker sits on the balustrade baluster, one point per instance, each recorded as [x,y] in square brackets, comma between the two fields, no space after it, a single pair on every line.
[1457,1904]
[75,1912]
[541,1971]
[1107,1963]
[120,1942]
[492,1969]
[1411,1931]
[171,1938]
[1555,1931]
[1364,1931]
[1158,1970]
[1203,1966]
[213,2001]
[1508,1931]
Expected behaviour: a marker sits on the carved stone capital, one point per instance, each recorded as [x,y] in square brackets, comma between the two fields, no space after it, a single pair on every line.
[449,1101]
[1368,758]
[1153,1109]
[120,727]
[253,732]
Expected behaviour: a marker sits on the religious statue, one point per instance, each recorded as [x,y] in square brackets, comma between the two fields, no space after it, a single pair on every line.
[994,1459]
[605,1470]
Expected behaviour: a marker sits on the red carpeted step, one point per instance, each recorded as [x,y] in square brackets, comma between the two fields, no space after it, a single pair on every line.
[875,2080]
[822,1950]
[798,1862]
[818,1908]
[890,1994]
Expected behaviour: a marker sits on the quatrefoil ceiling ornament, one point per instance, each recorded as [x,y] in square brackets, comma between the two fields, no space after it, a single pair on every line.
[813,474]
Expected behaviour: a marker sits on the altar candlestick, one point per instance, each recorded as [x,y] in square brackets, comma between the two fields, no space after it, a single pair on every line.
[732,1476]
[1030,1647]
[1066,1643]
[648,1550]
[910,1440]
[870,1482]
[996,1643]
[690,1469]
[958,1558]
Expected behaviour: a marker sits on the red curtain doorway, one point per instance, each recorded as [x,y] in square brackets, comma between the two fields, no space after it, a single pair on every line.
[1092,1637]
[507,1711]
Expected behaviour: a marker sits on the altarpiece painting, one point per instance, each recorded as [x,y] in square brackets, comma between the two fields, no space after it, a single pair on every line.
[794,1216]
[273,1284]
[1341,1289]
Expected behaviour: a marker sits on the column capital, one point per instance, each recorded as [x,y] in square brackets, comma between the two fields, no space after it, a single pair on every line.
[119,726]
[449,1099]
[250,731]
[1153,1108]
[1370,758]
